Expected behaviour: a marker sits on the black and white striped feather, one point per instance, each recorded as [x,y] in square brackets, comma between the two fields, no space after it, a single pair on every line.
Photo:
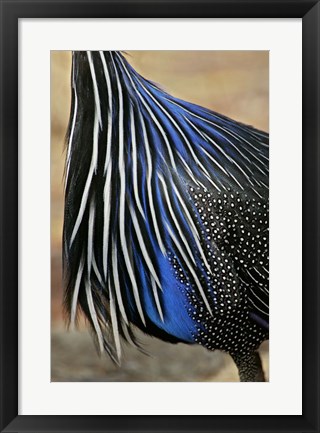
[136,160]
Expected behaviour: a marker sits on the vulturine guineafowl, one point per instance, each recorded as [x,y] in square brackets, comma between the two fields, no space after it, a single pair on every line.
[166,216]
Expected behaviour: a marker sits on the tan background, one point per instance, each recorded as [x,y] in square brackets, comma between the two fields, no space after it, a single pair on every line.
[234,83]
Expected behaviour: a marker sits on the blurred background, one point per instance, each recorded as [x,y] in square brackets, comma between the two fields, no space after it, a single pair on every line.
[233,83]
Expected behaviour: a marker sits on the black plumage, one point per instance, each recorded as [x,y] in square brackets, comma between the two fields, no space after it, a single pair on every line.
[166,216]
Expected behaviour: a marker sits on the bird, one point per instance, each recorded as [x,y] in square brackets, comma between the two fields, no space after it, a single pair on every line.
[166,217]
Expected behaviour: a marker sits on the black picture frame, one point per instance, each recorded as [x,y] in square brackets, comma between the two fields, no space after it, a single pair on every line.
[11,11]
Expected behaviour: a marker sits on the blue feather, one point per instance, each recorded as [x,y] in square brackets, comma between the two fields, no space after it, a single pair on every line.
[163,150]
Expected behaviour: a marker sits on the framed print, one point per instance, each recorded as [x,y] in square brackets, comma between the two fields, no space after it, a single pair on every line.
[151,241]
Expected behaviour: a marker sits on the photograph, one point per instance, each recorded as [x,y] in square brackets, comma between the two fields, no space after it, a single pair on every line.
[159,216]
